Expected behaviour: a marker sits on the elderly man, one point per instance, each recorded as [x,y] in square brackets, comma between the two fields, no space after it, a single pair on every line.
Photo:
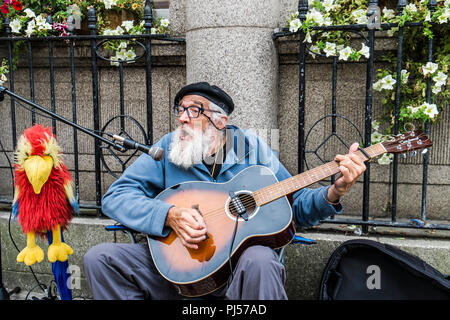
[200,149]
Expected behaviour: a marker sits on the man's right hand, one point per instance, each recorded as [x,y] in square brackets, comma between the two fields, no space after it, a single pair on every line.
[188,224]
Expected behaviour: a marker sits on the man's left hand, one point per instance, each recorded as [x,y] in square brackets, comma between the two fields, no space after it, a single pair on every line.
[351,166]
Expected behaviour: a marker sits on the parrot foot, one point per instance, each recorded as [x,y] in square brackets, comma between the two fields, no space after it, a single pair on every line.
[59,252]
[30,255]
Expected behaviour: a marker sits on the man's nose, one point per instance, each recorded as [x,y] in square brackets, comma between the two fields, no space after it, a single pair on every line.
[184,117]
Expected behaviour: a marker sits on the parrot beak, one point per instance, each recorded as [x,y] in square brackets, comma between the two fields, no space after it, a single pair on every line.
[38,170]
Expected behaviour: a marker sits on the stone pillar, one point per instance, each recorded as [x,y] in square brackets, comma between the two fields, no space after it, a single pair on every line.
[229,43]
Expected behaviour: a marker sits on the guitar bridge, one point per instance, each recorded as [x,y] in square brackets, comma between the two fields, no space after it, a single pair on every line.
[238,206]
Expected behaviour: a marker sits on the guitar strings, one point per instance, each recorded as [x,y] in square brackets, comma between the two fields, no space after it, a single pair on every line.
[218,213]
[248,200]
[273,190]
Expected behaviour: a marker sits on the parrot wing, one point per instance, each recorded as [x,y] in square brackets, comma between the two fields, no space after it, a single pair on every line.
[69,192]
[15,204]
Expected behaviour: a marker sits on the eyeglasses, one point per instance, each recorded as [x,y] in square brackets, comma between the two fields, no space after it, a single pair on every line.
[192,111]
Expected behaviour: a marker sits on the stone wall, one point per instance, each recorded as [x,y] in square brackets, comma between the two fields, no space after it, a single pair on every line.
[236,49]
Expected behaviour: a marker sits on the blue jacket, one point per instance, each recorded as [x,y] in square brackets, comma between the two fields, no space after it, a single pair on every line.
[129,200]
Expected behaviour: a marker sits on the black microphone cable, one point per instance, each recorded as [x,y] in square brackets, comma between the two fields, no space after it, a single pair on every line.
[41,285]
[230,279]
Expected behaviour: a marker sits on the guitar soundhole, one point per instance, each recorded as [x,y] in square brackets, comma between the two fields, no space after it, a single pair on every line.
[247,201]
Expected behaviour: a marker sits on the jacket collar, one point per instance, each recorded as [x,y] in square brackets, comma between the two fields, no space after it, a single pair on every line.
[237,149]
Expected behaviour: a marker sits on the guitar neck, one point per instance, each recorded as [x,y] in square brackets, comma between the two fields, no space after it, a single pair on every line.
[307,178]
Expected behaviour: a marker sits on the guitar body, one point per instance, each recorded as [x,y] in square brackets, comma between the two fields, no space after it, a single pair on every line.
[197,272]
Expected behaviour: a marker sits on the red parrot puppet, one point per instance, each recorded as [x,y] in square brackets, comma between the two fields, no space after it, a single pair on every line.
[44,200]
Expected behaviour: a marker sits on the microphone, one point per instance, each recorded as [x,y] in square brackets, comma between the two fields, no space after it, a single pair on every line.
[156,153]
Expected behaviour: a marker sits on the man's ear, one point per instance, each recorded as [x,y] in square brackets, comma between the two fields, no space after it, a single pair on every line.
[222,122]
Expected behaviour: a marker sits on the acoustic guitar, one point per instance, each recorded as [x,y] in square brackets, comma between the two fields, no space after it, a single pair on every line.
[250,209]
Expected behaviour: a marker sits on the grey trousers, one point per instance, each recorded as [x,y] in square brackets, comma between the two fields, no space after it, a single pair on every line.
[119,271]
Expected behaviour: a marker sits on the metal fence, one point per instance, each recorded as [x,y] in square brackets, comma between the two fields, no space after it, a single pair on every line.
[96,44]
[144,42]
[368,35]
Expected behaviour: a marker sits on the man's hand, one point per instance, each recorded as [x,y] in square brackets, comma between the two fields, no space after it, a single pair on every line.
[351,167]
[188,224]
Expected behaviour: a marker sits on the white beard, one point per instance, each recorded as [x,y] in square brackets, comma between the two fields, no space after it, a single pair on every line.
[188,152]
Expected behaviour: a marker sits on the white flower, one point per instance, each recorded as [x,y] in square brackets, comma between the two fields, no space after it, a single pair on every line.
[388,13]
[376,137]
[15,26]
[294,25]
[328,5]
[442,19]
[130,55]
[327,21]
[385,159]
[44,26]
[114,61]
[314,49]
[330,49]
[121,55]
[378,86]
[315,16]
[360,16]
[388,82]
[430,67]
[411,7]
[392,31]
[414,109]
[365,51]
[40,20]
[122,45]
[345,53]
[128,24]
[428,16]
[436,89]
[308,37]
[118,31]
[108,32]
[404,76]
[30,28]
[164,23]
[29,13]
[430,110]
[3,79]
[440,79]
[375,125]
[108,3]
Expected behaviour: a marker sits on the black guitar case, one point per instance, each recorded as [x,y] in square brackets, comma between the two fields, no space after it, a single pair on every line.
[368,270]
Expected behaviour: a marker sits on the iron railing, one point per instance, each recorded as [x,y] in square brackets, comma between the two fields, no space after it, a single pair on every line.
[144,41]
[368,35]
[96,42]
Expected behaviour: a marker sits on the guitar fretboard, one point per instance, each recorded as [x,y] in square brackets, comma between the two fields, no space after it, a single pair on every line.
[304,179]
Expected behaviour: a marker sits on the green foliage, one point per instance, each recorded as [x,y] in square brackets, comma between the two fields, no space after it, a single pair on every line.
[416,76]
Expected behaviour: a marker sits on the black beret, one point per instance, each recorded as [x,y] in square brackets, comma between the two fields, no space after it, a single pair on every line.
[212,93]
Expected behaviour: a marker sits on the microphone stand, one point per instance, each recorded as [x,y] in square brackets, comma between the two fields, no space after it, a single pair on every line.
[4,294]
[113,144]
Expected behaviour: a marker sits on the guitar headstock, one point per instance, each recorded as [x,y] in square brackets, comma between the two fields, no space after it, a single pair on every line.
[408,141]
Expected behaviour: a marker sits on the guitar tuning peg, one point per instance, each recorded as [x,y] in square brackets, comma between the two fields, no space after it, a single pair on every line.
[413,153]
[424,150]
